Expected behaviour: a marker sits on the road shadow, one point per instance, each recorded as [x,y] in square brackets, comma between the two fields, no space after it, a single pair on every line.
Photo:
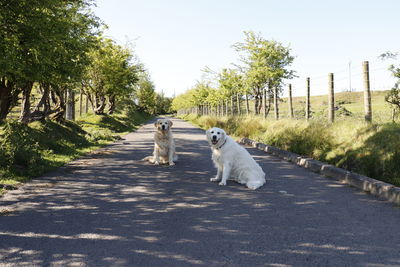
[112,209]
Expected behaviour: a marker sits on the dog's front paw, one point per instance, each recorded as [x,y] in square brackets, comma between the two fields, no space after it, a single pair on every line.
[171,163]
[156,163]
[216,179]
[222,183]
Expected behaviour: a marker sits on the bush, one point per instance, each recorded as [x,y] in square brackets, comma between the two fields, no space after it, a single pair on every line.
[20,152]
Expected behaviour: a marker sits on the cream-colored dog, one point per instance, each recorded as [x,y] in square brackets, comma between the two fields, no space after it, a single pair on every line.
[164,145]
[233,161]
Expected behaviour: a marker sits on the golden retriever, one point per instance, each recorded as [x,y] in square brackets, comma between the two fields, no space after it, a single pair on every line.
[233,161]
[164,145]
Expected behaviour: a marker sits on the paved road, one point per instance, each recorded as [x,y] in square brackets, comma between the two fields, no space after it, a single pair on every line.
[111,209]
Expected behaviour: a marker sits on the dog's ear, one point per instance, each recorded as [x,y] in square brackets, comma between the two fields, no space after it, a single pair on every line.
[170,123]
[155,123]
[208,134]
[223,134]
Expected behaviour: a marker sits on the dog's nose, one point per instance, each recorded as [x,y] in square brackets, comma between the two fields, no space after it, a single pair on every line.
[214,137]
[163,127]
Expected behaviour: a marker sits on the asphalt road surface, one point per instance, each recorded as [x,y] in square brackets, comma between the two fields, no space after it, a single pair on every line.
[111,209]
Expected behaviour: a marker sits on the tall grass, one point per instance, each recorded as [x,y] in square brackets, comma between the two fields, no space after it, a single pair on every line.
[369,149]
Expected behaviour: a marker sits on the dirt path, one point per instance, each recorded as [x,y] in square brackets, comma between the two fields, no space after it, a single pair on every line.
[111,209]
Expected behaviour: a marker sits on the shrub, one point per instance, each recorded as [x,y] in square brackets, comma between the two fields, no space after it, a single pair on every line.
[20,152]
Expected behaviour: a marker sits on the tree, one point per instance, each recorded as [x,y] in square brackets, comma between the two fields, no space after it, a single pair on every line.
[42,42]
[110,75]
[266,66]
[393,96]
[230,84]
[146,95]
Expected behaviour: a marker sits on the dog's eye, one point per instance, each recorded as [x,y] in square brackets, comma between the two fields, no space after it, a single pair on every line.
[218,133]
[212,132]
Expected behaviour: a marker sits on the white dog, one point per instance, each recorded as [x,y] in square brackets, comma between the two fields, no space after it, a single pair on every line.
[233,161]
[164,145]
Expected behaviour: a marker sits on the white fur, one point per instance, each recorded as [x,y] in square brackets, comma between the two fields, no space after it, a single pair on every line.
[164,145]
[233,162]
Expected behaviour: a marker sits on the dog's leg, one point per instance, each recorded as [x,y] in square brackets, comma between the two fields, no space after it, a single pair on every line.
[171,153]
[156,156]
[218,177]
[225,174]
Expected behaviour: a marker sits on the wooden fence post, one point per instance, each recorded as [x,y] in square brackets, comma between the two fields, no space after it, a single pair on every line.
[331,98]
[367,93]
[69,114]
[290,102]
[308,104]
[276,103]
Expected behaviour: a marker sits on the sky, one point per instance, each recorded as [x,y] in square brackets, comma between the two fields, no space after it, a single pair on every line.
[177,39]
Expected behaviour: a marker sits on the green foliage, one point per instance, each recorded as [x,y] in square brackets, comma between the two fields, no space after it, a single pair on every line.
[30,150]
[43,42]
[20,151]
[265,66]
[265,61]
[111,75]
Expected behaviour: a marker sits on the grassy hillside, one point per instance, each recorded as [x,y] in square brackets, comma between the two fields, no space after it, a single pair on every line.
[351,101]
[30,150]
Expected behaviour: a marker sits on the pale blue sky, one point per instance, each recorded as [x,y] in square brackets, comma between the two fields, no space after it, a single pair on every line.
[176,39]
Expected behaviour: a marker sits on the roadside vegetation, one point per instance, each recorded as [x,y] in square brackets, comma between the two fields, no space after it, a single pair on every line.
[30,150]
[52,51]
[371,149]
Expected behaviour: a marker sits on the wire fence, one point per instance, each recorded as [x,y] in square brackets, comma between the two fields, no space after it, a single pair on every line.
[349,86]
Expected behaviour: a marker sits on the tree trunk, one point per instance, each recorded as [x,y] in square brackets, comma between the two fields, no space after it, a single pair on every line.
[58,98]
[247,105]
[256,104]
[239,112]
[112,104]
[44,102]
[26,103]
[265,102]
[100,104]
[232,106]
[260,99]
[8,98]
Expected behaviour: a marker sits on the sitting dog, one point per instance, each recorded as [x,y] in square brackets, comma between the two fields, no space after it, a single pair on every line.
[233,161]
[164,145]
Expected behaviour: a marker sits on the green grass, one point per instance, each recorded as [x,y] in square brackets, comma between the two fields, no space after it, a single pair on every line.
[369,149]
[28,151]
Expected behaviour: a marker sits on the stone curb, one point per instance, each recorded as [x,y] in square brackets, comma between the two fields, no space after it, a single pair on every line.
[380,189]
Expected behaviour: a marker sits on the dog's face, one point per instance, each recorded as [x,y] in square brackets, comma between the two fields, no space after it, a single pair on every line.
[163,125]
[215,136]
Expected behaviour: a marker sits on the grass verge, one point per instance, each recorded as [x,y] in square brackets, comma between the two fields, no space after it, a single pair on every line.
[27,151]
[369,149]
